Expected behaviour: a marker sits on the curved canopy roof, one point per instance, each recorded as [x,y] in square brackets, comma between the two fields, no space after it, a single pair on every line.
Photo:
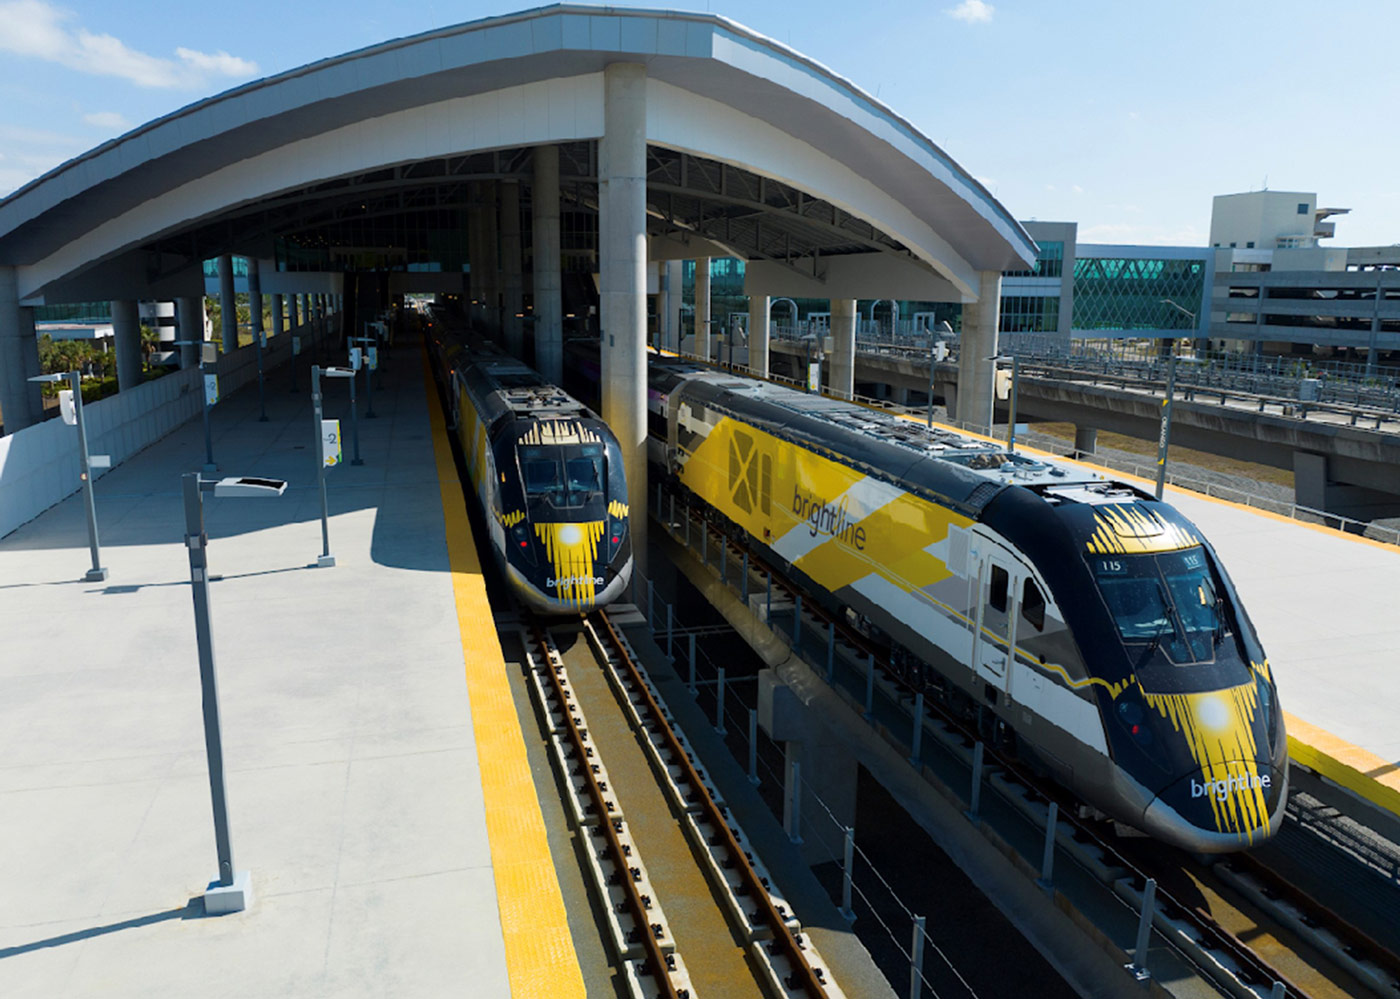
[752,145]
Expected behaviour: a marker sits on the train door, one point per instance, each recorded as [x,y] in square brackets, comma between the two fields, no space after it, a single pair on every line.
[1000,580]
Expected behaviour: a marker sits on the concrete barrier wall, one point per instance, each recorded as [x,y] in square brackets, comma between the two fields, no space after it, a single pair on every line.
[39,465]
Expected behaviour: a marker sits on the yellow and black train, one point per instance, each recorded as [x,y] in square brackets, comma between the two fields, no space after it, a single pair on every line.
[1078,616]
[547,475]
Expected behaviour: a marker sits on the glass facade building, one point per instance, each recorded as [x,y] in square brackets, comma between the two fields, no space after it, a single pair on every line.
[1126,292]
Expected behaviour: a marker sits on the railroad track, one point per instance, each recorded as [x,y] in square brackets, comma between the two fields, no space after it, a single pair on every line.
[1313,953]
[778,956]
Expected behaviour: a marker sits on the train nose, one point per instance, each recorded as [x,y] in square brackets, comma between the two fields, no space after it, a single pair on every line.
[1224,807]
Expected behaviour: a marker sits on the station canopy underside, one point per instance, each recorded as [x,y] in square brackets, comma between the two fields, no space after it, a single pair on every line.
[386,218]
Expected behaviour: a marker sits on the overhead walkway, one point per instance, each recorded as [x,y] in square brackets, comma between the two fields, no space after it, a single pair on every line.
[379,792]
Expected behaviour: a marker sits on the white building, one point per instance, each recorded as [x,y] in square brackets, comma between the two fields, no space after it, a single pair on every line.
[1268,220]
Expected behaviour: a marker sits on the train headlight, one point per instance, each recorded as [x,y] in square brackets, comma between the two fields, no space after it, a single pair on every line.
[520,542]
[617,531]
[1134,719]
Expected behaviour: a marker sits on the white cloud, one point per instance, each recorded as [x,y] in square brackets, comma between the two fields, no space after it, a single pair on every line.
[987,182]
[107,119]
[38,29]
[972,11]
[1077,189]
[218,63]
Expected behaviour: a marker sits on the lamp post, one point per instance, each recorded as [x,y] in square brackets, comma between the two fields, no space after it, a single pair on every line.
[1015,386]
[209,375]
[937,351]
[326,559]
[75,387]
[232,891]
[369,361]
[1164,435]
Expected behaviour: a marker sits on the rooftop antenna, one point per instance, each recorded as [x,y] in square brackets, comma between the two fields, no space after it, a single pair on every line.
[1266,182]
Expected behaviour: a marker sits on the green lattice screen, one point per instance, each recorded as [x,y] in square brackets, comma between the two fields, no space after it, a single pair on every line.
[1118,293]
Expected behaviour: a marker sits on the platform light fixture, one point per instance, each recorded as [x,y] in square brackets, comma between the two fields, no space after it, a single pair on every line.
[75,391]
[937,351]
[1164,434]
[325,560]
[1011,393]
[232,891]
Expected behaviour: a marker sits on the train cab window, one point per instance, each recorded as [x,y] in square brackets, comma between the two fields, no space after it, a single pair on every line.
[1167,599]
[585,474]
[1033,605]
[997,588]
[541,478]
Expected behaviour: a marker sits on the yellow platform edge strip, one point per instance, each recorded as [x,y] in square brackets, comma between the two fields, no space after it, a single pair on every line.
[540,957]
[1358,770]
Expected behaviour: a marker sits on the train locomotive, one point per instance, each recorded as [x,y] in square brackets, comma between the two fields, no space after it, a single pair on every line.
[547,475]
[1076,616]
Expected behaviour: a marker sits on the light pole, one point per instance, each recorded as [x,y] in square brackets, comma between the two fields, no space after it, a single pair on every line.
[937,351]
[1015,385]
[209,375]
[233,890]
[326,559]
[75,387]
[370,362]
[1164,434]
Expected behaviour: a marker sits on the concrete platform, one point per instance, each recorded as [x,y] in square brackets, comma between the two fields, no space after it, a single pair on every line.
[354,769]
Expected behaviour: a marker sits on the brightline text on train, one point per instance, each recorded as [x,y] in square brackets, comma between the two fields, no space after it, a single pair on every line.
[826,518]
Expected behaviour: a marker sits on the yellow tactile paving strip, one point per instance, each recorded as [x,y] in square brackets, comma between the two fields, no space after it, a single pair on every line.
[540,957]
[1358,770]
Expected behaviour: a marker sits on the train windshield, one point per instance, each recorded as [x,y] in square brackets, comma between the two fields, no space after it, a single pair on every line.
[1167,600]
[563,477]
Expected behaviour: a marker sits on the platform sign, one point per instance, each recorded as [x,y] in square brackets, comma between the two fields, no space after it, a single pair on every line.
[354,358]
[814,376]
[211,390]
[262,338]
[66,408]
[296,345]
[373,358]
[99,461]
[330,443]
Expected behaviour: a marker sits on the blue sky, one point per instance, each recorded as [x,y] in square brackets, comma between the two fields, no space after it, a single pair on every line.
[1125,117]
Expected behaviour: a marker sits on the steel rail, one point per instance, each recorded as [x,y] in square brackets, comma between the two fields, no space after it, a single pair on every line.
[637,906]
[784,940]
[1217,937]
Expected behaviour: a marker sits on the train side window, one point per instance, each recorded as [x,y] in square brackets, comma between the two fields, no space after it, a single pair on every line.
[1033,605]
[996,592]
[765,489]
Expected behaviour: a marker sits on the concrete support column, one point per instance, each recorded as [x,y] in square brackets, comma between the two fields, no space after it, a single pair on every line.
[293,319]
[20,402]
[189,314]
[758,334]
[1086,439]
[277,319]
[228,306]
[255,302]
[979,342]
[622,245]
[673,280]
[510,268]
[126,336]
[841,365]
[702,307]
[549,298]
[490,234]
